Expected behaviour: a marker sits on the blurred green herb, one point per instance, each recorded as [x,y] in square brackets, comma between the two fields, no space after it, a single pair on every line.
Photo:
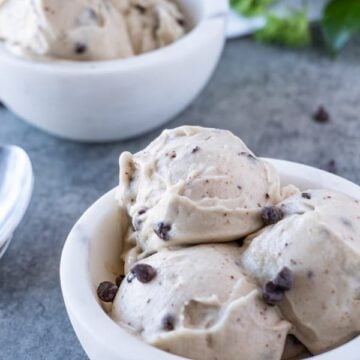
[340,22]
[291,31]
[251,7]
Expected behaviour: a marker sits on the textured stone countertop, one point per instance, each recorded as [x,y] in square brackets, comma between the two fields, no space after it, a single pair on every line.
[264,94]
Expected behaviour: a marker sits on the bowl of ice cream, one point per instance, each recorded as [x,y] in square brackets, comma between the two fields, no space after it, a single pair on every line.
[206,251]
[106,70]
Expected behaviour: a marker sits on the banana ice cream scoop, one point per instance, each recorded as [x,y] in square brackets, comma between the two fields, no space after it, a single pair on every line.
[318,242]
[196,302]
[193,185]
[89,29]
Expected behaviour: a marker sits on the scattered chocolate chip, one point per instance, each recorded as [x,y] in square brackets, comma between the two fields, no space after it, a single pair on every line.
[80,48]
[267,196]
[331,167]
[106,291]
[321,115]
[181,22]
[119,279]
[310,274]
[162,230]
[306,195]
[271,294]
[168,322]
[142,211]
[239,187]
[195,150]
[271,215]
[273,291]
[172,154]
[140,8]
[143,272]
[284,279]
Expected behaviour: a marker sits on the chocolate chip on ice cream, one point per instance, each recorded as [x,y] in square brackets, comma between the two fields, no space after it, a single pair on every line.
[273,291]
[168,322]
[162,230]
[143,272]
[107,291]
[271,215]
[80,48]
[306,195]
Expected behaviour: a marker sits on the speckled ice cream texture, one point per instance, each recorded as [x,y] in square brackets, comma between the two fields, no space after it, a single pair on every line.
[89,29]
[319,240]
[195,185]
[201,306]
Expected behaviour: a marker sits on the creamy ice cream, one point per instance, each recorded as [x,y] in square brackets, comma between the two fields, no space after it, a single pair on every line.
[196,302]
[194,185]
[319,241]
[193,286]
[89,29]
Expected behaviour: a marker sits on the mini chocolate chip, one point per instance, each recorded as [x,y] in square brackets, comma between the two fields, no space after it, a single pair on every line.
[321,115]
[119,279]
[331,167]
[106,291]
[168,322]
[306,195]
[181,22]
[284,279]
[142,211]
[172,154]
[140,8]
[310,274]
[271,215]
[267,196]
[195,150]
[162,230]
[271,294]
[80,48]
[273,291]
[143,272]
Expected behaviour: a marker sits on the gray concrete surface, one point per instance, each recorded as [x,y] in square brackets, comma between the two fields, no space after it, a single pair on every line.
[264,94]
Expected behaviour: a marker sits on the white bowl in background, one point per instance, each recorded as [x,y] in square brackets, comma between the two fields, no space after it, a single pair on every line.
[91,254]
[117,99]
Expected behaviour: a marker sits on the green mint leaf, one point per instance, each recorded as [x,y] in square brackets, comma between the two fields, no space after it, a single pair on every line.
[251,7]
[290,31]
[340,22]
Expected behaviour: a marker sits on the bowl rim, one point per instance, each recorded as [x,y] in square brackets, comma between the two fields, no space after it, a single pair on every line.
[213,11]
[83,307]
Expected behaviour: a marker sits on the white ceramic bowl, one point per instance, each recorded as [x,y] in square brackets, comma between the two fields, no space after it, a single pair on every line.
[91,255]
[112,100]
